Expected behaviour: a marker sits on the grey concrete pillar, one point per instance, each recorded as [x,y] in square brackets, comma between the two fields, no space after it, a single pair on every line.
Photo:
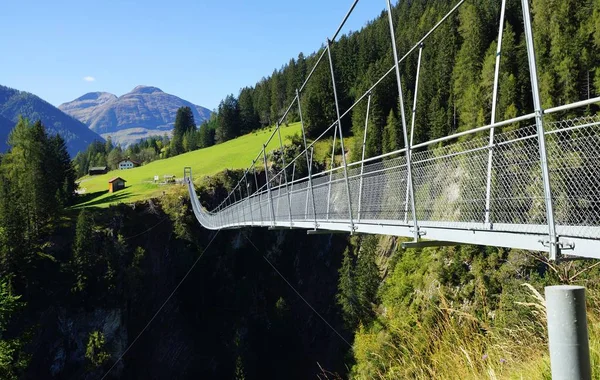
[567,332]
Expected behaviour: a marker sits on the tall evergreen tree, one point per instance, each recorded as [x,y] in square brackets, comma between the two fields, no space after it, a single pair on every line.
[248,115]
[84,251]
[184,122]
[228,121]
[390,133]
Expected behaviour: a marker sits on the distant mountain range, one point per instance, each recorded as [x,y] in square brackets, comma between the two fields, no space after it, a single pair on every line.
[14,103]
[143,112]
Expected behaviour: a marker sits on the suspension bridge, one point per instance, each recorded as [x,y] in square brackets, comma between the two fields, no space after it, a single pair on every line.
[533,187]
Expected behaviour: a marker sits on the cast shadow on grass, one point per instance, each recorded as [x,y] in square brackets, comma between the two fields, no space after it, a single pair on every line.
[97,198]
[86,197]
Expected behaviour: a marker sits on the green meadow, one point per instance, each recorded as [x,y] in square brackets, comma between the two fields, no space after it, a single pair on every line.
[234,154]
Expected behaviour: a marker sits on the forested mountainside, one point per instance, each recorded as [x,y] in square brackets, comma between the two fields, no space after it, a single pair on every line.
[15,103]
[456,75]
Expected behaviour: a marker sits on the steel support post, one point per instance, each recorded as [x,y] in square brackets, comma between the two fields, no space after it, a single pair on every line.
[488,185]
[310,181]
[362,160]
[268,184]
[285,174]
[242,204]
[331,170]
[249,198]
[412,123]
[313,194]
[409,180]
[226,211]
[292,185]
[259,200]
[339,124]
[568,333]
[278,195]
[233,207]
[552,241]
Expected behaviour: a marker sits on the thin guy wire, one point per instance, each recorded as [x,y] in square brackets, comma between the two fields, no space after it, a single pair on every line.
[163,305]
[148,230]
[297,292]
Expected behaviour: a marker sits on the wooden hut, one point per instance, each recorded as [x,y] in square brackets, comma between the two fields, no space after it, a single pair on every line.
[116,184]
[97,170]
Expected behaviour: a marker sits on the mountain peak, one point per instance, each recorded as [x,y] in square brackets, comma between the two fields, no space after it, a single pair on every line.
[141,89]
[143,112]
[96,96]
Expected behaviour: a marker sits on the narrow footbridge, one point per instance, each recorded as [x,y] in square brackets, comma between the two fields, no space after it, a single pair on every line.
[534,186]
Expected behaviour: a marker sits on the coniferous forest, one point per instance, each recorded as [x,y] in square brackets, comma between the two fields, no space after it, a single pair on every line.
[78,286]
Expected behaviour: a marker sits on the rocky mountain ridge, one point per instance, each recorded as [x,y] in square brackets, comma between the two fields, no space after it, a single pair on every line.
[143,112]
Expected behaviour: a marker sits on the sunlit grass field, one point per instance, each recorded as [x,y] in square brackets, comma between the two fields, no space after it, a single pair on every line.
[233,154]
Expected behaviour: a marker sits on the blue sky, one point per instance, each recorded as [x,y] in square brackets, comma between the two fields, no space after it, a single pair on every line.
[199,50]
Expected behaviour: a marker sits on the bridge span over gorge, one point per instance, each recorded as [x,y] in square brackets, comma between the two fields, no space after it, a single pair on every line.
[535,185]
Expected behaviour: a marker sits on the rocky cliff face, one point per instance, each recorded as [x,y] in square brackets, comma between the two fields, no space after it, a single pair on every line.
[233,315]
[85,108]
[143,112]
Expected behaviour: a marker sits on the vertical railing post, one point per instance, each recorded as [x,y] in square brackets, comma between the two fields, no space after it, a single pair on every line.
[292,184]
[339,124]
[568,340]
[331,170]
[310,181]
[552,241]
[242,203]
[233,204]
[409,180]
[285,174]
[313,195]
[362,160]
[412,123]
[268,185]
[488,185]
[259,199]
[226,210]
[275,179]
[248,197]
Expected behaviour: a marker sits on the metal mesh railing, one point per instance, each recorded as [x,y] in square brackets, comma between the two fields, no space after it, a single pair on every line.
[450,186]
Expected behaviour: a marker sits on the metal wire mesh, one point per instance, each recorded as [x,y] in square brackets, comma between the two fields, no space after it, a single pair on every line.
[450,186]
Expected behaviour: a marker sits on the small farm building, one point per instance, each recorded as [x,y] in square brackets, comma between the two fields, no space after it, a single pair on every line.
[97,170]
[128,164]
[116,184]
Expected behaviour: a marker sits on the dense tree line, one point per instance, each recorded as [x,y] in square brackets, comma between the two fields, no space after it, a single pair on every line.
[109,155]
[37,182]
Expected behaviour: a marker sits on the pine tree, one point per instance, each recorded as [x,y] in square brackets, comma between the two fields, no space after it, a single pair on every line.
[346,296]
[184,123]
[390,133]
[367,277]
[248,116]
[61,171]
[228,120]
[84,251]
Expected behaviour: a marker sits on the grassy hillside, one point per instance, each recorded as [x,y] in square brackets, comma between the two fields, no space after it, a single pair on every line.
[234,154]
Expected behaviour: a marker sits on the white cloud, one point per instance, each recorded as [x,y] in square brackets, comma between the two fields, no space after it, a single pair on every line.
[89,79]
